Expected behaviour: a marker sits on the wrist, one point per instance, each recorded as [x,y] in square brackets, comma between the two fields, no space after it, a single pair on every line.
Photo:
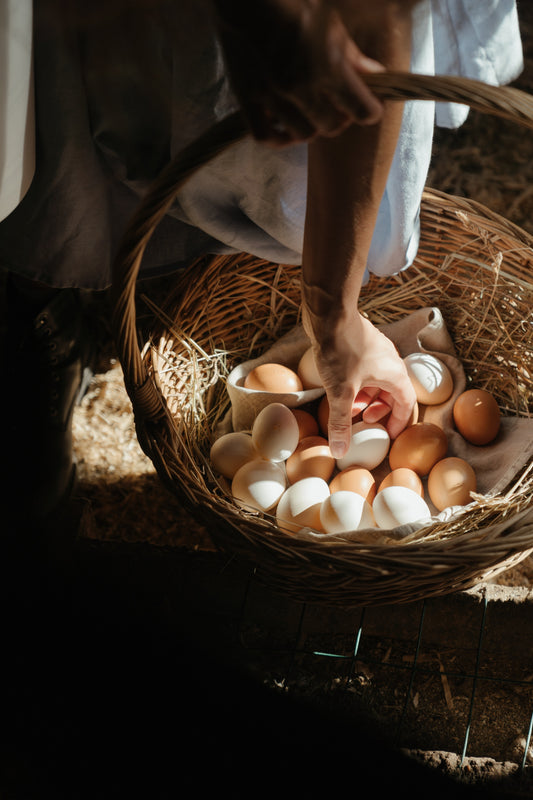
[331,321]
[335,304]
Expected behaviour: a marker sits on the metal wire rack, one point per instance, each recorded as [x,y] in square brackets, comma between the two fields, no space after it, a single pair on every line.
[450,675]
[448,679]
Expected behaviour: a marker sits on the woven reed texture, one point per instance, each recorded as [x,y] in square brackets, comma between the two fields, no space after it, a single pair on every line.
[474,265]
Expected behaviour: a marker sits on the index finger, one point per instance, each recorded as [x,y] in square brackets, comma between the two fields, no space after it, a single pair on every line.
[340,422]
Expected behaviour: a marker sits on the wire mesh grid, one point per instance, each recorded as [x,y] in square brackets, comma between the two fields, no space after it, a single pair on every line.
[450,675]
[448,679]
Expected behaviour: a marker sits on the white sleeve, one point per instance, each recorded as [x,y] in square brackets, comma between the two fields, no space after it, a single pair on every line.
[251,198]
[477,39]
[17,125]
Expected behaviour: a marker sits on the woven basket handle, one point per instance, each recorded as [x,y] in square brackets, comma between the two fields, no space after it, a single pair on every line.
[506,102]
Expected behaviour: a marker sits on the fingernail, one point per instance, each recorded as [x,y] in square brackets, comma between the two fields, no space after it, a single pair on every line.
[337,449]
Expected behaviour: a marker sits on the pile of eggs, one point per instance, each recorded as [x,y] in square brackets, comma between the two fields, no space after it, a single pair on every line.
[283,466]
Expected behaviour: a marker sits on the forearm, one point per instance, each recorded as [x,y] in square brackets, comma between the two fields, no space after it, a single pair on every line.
[347,176]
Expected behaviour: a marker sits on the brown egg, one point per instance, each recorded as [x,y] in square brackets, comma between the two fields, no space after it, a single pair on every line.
[413,419]
[311,459]
[307,371]
[477,416]
[307,424]
[355,479]
[323,415]
[403,476]
[230,451]
[418,447]
[450,482]
[275,378]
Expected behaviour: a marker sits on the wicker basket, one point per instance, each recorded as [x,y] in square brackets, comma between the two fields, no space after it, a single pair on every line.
[228,309]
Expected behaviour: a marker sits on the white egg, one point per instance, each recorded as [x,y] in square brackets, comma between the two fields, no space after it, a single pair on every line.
[431,378]
[369,445]
[258,484]
[299,506]
[275,432]
[397,505]
[346,511]
[230,451]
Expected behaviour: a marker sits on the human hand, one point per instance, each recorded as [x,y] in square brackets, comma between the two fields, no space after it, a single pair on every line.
[362,372]
[295,68]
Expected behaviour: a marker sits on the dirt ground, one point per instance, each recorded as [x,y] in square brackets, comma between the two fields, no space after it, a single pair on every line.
[124,502]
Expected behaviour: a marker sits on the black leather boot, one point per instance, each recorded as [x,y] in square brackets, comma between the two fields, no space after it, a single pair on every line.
[46,371]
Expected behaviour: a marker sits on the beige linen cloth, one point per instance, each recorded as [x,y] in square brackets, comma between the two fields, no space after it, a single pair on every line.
[424,330]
